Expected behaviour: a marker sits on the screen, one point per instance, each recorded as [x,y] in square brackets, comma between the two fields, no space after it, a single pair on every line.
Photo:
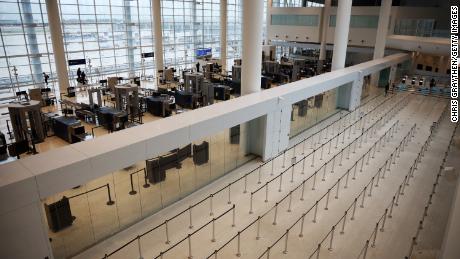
[204,52]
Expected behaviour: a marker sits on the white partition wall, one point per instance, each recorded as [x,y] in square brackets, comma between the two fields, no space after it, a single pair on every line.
[26,183]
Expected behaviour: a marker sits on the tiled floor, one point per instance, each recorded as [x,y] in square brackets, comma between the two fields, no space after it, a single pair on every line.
[156,219]
[392,243]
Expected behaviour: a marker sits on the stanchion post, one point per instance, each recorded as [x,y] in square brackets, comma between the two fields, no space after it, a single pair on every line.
[332,238]
[303,190]
[318,250]
[250,204]
[139,247]
[370,188]
[376,230]
[314,181]
[110,201]
[346,179]
[286,241]
[391,207]
[213,238]
[364,195]
[276,214]
[316,211]
[238,247]
[233,216]
[313,158]
[167,232]
[229,194]
[338,188]
[301,225]
[366,246]
[189,246]
[258,228]
[211,210]
[266,192]
[190,216]
[354,209]
[284,158]
[281,182]
[344,221]
[290,202]
[383,220]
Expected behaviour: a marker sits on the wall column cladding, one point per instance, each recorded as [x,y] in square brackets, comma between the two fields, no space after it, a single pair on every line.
[252,46]
[323,33]
[58,44]
[381,38]
[340,52]
[158,34]
[223,35]
[258,134]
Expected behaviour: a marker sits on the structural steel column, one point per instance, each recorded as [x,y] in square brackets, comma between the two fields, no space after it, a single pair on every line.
[342,27]
[54,22]
[158,34]
[223,35]
[382,32]
[252,46]
[323,31]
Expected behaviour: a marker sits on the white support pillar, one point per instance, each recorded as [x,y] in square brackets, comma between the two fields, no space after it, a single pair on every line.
[382,29]
[381,38]
[268,19]
[252,46]
[158,34]
[54,22]
[342,27]
[323,34]
[223,35]
[261,134]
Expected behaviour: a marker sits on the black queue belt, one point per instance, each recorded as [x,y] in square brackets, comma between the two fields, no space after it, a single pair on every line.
[384,118]
[359,200]
[430,197]
[109,202]
[342,181]
[244,177]
[388,212]
[146,184]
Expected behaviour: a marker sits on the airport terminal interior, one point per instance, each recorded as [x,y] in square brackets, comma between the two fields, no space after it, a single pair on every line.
[227,129]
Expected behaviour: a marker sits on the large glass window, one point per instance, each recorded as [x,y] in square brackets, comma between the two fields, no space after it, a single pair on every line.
[358,21]
[418,27]
[294,20]
[109,34]
[297,3]
[187,26]
[234,30]
[26,46]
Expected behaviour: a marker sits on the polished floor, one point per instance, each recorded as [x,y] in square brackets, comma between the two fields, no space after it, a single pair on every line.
[398,231]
